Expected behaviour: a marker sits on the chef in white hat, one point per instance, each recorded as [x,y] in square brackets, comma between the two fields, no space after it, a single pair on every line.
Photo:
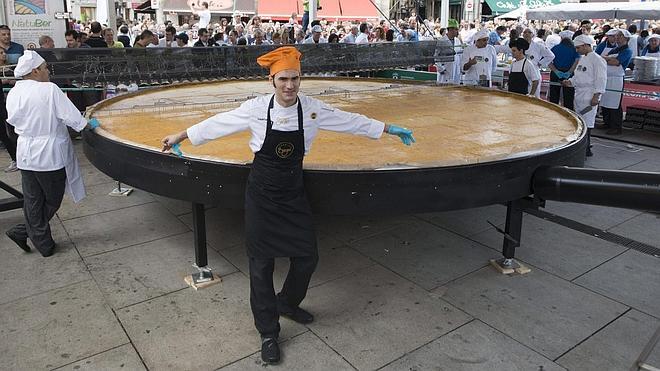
[479,61]
[538,53]
[589,80]
[653,47]
[40,113]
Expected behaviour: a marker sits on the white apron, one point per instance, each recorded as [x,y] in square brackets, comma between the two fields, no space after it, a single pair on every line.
[74,180]
[614,88]
[583,100]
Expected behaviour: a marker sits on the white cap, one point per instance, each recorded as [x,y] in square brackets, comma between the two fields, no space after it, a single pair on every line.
[583,40]
[483,34]
[612,32]
[625,33]
[27,62]
[566,34]
[654,36]
[317,28]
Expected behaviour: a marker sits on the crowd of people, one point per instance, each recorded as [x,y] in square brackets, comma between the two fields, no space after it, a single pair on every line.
[527,47]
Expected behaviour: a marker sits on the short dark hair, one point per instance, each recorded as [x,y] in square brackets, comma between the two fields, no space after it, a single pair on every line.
[123,29]
[4,27]
[501,28]
[363,27]
[241,41]
[95,27]
[202,31]
[72,33]
[205,4]
[170,29]
[146,34]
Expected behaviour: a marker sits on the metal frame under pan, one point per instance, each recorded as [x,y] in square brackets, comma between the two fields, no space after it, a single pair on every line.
[335,192]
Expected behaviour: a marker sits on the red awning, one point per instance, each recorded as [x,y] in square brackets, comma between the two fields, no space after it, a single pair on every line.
[278,9]
[358,9]
[330,9]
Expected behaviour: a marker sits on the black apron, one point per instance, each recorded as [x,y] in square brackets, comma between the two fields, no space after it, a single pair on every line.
[518,82]
[278,218]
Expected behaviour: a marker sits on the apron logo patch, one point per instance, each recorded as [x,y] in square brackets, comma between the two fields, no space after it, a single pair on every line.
[313,115]
[284,150]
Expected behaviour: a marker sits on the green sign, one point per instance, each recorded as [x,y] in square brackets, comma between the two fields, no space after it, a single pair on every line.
[500,7]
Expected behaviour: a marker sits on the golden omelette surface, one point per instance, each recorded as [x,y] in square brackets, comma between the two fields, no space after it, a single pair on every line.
[452,125]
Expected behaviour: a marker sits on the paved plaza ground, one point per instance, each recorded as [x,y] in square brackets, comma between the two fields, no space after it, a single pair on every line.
[412,292]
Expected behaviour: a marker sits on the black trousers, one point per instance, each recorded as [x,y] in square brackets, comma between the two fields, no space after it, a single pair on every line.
[613,117]
[43,192]
[555,91]
[265,303]
[8,138]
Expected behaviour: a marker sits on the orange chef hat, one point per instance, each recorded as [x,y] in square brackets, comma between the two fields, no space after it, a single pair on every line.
[280,59]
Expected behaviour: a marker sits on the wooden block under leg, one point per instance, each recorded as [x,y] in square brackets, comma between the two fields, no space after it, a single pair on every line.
[522,269]
[500,268]
[202,285]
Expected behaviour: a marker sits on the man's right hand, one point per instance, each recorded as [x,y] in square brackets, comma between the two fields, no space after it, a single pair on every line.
[171,140]
[472,61]
[567,83]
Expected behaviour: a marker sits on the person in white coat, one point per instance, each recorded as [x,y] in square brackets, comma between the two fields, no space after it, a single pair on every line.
[479,61]
[538,53]
[40,113]
[450,72]
[589,81]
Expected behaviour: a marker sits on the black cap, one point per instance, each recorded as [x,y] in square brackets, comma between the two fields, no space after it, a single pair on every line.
[182,36]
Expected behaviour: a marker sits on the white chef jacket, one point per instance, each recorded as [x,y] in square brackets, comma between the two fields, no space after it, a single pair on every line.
[362,38]
[539,54]
[252,115]
[40,113]
[590,77]
[450,72]
[486,63]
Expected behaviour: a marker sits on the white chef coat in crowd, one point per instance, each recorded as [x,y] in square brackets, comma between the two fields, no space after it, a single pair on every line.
[362,38]
[486,63]
[590,77]
[40,114]
[539,54]
[310,40]
[204,18]
[531,72]
[252,114]
[452,70]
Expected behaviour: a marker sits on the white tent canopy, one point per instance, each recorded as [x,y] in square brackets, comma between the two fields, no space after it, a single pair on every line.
[645,10]
[514,14]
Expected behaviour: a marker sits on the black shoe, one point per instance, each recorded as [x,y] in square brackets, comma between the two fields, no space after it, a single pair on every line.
[614,132]
[298,315]
[589,153]
[21,243]
[602,126]
[49,252]
[270,350]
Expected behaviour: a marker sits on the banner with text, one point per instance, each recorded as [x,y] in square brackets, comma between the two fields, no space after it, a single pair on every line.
[30,19]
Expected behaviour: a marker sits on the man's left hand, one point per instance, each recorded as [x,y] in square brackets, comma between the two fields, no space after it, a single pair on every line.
[403,133]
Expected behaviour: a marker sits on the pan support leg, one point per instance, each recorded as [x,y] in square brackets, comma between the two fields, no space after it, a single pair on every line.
[201,258]
[512,233]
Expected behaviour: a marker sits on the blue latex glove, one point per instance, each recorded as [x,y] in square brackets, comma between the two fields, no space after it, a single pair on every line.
[558,73]
[94,123]
[176,149]
[404,134]
[565,75]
